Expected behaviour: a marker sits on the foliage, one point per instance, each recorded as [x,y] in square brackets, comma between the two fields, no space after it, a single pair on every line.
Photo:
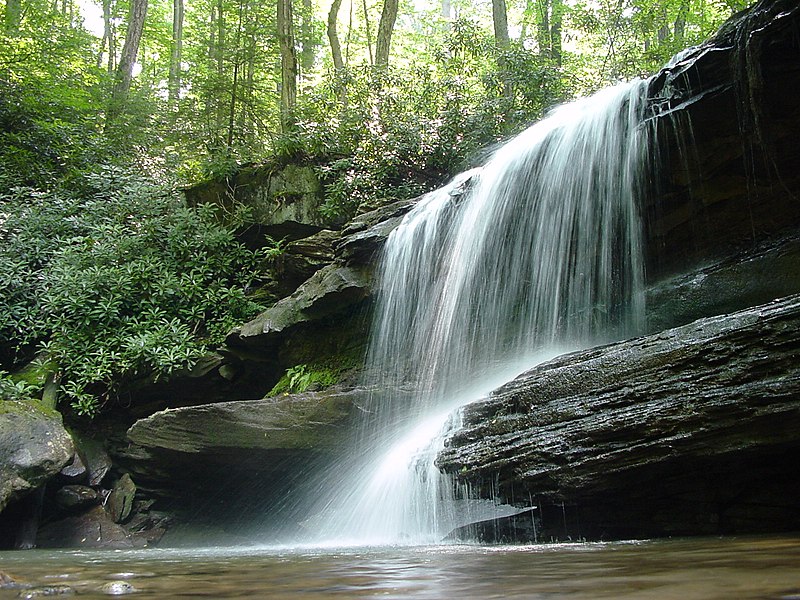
[304,377]
[391,140]
[116,281]
[11,389]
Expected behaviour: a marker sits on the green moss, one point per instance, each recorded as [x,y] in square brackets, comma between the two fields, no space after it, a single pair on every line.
[19,407]
[34,374]
[315,376]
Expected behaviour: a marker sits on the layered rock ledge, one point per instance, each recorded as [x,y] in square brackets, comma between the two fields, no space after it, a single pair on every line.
[692,430]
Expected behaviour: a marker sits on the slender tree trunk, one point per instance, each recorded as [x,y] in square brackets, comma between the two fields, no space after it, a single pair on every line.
[447,9]
[12,17]
[235,82]
[288,64]
[333,35]
[130,50]
[369,32]
[176,52]
[503,41]
[349,36]
[680,22]
[385,29]
[543,27]
[556,21]
[500,21]
[307,43]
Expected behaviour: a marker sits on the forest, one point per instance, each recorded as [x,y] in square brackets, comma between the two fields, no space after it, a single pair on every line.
[108,112]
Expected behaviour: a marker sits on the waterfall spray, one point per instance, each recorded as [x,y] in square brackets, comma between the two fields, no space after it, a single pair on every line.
[537,252]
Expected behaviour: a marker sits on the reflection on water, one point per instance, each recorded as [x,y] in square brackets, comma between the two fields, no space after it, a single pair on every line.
[758,568]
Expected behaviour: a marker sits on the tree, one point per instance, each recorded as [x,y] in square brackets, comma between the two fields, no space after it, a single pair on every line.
[288,64]
[385,29]
[12,17]
[500,21]
[333,35]
[549,18]
[176,53]
[130,50]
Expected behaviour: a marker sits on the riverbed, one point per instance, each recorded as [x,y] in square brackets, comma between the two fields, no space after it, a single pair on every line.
[682,569]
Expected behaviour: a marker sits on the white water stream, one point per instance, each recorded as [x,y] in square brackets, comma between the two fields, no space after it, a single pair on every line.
[537,252]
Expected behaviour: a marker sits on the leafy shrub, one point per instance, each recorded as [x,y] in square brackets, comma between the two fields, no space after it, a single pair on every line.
[117,281]
[382,139]
[301,378]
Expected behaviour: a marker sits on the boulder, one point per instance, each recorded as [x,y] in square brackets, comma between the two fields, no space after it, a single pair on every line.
[120,501]
[71,497]
[93,528]
[331,290]
[34,446]
[284,200]
[692,430]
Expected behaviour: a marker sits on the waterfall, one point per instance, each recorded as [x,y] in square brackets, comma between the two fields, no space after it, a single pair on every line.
[537,252]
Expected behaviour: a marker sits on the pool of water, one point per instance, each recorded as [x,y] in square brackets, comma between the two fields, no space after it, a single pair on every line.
[683,569]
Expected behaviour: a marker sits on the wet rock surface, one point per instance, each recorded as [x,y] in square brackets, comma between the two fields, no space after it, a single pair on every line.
[34,446]
[726,123]
[692,430]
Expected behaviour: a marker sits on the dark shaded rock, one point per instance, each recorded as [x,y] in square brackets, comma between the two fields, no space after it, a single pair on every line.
[91,529]
[212,464]
[769,272]
[367,233]
[329,291]
[34,446]
[120,500]
[693,430]
[301,259]
[71,497]
[301,421]
[510,529]
[727,124]
[75,470]
[96,459]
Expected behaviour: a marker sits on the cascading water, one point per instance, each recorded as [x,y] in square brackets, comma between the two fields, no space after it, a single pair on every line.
[536,252]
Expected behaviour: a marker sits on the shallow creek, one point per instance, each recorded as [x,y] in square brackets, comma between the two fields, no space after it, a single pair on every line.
[684,569]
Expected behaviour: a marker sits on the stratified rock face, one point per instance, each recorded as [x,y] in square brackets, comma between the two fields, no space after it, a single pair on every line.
[34,446]
[727,123]
[331,290]
[704,417]
[310,421]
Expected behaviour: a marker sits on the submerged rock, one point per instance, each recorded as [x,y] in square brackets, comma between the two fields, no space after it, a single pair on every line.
[692,430]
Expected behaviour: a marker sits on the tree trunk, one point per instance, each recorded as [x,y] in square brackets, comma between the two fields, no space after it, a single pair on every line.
[176,52]
[500,21]
[369,32]
[130,49]
[385,29]
[333,35]
[447,9]
[307,44]
[288,64]
[12,17]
